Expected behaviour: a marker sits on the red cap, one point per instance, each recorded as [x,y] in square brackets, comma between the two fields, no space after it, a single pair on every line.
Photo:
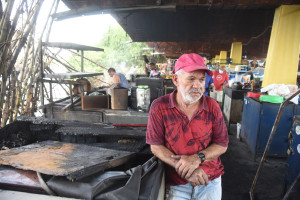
[191,62]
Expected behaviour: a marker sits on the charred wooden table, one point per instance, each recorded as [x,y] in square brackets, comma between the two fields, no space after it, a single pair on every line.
[63,159]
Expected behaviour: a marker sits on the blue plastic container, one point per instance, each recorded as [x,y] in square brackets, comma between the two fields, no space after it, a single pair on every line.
[293,166]
[257,121]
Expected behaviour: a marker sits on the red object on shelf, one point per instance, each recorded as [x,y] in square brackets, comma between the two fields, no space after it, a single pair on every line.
[254,94]
[133,125]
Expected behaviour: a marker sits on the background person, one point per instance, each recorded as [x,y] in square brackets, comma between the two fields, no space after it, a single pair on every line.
[187,131]
[209,85]
[209,82]
[220,78]
[118,79]
[154,71]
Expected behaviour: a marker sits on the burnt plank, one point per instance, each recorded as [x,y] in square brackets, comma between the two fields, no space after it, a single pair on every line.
[63,159]
[101,131]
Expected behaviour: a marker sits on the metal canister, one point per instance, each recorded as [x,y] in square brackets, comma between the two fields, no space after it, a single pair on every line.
[143,98]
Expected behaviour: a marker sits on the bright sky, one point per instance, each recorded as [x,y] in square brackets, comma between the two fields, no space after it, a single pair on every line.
[87,30]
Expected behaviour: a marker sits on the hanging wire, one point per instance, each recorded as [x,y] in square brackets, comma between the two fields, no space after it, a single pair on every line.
[257,36]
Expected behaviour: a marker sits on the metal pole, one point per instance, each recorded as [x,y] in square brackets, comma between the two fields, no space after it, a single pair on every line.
[269,143]
[81,60]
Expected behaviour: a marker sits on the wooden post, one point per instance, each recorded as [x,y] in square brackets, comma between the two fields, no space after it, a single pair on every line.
[81,60]
[51,95]
[71,93]
[41,75]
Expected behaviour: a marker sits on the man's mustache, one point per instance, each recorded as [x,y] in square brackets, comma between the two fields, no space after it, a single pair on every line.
[195,90]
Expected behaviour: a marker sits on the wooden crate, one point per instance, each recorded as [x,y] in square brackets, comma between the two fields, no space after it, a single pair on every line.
[95,102]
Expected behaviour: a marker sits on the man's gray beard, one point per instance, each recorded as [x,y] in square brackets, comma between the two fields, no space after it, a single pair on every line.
[187,97]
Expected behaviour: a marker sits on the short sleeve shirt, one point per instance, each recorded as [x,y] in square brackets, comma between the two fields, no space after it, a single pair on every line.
[154,73]
[169,126]
[123,82]
[219,79]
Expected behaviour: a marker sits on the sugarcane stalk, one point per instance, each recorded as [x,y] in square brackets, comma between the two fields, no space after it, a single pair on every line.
[7,33]
[11,45]
[4,115]
[4,28]
[20,88]
[3,92]
[35,13]
[28,80]
[1,10]
[65,65]
[88,59]
[4,23]
[13,89]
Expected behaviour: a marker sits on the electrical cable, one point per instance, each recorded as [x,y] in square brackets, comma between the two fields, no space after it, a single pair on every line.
[257,36]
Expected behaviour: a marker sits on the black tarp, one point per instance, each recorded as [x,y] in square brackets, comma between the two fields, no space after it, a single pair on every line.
[141,182]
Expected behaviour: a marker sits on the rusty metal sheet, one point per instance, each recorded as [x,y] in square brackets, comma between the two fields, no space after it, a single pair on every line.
[63,159]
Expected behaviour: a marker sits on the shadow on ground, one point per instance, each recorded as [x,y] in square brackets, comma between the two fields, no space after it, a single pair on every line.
[240,169]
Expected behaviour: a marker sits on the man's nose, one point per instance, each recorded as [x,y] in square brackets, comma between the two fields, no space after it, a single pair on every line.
[197,84]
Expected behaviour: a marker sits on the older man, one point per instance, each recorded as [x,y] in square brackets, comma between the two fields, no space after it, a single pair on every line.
[186,130]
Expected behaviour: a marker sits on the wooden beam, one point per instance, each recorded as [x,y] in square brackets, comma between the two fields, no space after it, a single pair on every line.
[71,104]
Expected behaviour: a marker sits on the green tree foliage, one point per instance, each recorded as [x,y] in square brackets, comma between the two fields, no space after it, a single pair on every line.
[119,52]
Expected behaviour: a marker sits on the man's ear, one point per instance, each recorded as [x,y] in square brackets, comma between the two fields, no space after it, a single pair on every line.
[175,79]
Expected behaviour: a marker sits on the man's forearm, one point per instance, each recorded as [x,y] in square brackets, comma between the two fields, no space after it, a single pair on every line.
[164,154]
[213,151]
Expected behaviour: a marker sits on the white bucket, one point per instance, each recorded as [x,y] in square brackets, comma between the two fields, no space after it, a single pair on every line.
[143,99]
[238,130]
[238,77]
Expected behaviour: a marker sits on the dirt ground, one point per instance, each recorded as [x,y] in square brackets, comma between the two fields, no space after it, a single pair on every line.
[240,169]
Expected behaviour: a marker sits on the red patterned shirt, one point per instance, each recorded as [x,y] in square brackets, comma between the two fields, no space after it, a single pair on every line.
[169,126]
